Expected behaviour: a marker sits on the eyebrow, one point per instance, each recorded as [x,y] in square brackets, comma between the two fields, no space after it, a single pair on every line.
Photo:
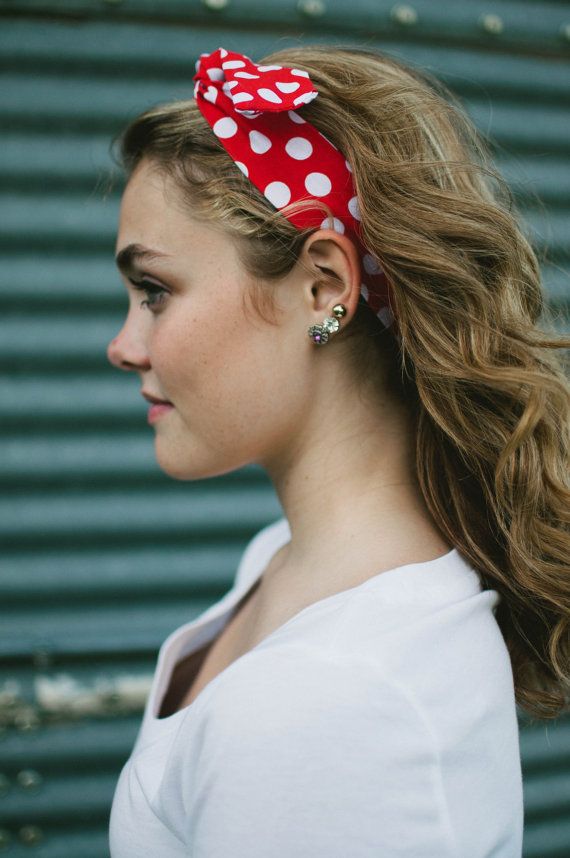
[127,258]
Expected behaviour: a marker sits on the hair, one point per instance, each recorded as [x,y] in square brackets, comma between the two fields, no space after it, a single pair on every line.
[475,356]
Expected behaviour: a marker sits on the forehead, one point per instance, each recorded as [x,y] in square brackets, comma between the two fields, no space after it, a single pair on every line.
[148,199]
[151,216]
[155,228]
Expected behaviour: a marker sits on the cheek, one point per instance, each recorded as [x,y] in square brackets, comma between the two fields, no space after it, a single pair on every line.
[205,355]
[224,366]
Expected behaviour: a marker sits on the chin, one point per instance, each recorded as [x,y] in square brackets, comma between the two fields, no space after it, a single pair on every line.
[178,469]
[192,467]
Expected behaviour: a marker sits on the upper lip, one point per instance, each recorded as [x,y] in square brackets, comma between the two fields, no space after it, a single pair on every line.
[150,398]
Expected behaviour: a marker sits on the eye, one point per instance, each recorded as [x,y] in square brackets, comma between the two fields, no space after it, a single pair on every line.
[156,295]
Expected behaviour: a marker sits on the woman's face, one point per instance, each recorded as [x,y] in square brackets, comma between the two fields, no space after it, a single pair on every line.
[239,386]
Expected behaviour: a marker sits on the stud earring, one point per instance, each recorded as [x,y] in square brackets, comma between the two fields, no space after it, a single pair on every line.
[320,333]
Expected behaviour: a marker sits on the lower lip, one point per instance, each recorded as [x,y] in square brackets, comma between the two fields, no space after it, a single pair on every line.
[156,411]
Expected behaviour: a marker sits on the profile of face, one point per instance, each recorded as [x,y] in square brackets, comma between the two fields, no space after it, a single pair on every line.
[241,388]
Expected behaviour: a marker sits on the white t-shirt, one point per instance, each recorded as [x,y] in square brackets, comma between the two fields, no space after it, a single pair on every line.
[379,722]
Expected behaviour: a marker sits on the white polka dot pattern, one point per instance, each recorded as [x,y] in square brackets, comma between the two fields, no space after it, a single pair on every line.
[254,113]
[216,74]
[371,265]
[259,142]
[298,148]
[318,184]
[268,95]
[278,193]
[240,97]
[282,86]
[354,208]
[225,127]
[386,316]
[304,98]
[337,224]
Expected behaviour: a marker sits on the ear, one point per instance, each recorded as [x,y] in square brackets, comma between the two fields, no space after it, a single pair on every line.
[335,262]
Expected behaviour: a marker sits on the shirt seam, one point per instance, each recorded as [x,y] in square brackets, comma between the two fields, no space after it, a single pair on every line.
[408,694]
[150,801]
[410,697]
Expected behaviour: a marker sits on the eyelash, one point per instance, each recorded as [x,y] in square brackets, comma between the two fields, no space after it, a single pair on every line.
[156,293]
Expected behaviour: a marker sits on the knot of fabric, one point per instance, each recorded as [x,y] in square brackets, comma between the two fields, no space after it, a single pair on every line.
[252,88]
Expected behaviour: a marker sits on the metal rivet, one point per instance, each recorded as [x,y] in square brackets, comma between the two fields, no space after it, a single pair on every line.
[491,23]
[29,779]
[404,15]
[215,4]
[313,8]
[565,32]
[5,838]
[4,785]
[30,834]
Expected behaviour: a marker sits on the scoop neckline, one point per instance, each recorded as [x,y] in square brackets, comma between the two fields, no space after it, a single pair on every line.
[268,550]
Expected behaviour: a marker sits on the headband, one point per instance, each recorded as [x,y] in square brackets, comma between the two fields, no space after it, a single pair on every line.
[252,110]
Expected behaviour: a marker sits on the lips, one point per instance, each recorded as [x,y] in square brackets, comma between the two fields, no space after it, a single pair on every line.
[154,400]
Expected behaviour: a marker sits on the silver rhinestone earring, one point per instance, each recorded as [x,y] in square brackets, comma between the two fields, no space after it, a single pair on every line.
[320,333]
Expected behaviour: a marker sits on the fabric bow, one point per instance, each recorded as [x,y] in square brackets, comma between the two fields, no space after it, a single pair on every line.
[251,88]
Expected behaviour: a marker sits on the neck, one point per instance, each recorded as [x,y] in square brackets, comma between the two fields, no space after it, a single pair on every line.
[348,486]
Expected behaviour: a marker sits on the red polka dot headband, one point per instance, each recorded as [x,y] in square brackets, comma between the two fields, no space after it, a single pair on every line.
[252,111]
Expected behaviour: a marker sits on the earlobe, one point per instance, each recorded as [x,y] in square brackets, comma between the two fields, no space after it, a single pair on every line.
[320,334]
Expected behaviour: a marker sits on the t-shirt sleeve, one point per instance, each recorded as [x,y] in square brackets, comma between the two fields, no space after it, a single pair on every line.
[303,754]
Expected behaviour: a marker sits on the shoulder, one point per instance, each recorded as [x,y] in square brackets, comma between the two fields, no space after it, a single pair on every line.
[288,704]
[276,688]
[317,753]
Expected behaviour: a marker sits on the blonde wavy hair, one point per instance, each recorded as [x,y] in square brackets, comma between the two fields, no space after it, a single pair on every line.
[476,353]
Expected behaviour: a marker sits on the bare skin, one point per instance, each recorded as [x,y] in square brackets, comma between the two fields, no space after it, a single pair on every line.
[341,459]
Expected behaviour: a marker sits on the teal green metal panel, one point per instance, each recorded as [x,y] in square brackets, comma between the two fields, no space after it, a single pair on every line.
[510,23]
[103,555]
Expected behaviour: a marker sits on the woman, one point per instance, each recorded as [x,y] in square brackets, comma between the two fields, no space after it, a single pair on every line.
[337,291]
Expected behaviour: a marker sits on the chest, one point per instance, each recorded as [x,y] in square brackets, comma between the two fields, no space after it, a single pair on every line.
[249,623]
[193,673]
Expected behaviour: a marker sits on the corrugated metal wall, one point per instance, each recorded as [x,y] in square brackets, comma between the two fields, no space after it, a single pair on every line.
[103,555]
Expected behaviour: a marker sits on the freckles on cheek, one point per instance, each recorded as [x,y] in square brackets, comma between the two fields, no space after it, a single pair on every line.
[170,354]
[205,348]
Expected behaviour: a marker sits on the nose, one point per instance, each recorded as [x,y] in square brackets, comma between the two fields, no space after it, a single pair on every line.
[127,351]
